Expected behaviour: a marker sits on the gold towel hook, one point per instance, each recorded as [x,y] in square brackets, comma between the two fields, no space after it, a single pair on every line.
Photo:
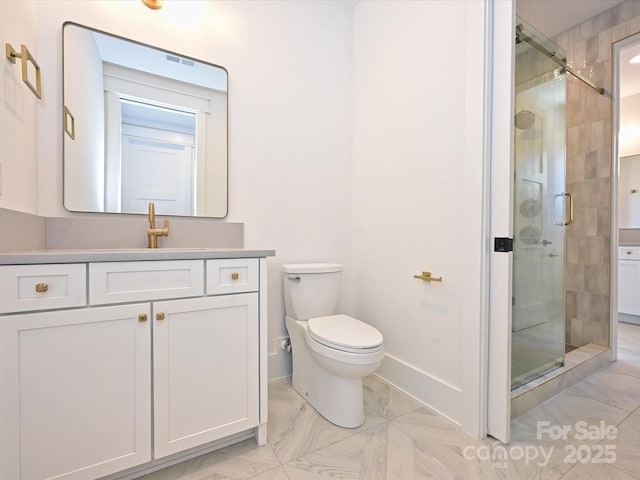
[25,56]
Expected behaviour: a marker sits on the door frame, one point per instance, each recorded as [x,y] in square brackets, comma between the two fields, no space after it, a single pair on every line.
[501,221]
[615,181]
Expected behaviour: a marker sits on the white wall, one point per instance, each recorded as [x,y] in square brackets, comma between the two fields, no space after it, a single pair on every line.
[629,143]
[83,79]
[628,202]
[418,193]
[289,117]
[18,161]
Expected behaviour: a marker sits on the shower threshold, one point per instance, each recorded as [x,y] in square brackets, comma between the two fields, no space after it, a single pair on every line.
[578,364]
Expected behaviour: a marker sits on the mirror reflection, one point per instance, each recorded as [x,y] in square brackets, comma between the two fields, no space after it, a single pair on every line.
[629,137]
[142,125]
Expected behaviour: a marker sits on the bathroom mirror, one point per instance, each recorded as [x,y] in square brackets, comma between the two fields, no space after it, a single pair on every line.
[629,134]
[141,125]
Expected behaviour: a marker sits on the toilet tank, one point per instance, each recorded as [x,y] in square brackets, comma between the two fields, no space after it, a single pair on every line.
[311,289]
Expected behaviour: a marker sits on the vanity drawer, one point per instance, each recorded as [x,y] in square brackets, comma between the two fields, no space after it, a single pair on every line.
[25,288]
[118,282]
[234,275]
[629,253]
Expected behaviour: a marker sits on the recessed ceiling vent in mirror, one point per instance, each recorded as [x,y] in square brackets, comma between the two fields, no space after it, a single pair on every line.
[183,61]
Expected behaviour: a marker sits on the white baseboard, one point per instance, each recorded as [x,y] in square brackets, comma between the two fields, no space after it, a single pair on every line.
[439,396]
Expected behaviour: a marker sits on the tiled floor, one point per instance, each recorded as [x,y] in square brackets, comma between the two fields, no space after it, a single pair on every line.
[402,440]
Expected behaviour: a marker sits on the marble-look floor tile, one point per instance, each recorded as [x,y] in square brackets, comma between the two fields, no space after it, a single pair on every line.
[296,429]
[384,452]
[596,471]
[275,474]
[627,446]
[442,450]
[551,455]
[629,355]
[625,367]
[386,400]
[565,409]
[237,462]
[359,456]
[621,391]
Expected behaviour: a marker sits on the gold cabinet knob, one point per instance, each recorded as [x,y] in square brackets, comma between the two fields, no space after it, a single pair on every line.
[142,317]
[41,287]
[235,276]
[160,316]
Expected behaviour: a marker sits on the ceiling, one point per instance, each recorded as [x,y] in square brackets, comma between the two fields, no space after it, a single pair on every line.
[552,17]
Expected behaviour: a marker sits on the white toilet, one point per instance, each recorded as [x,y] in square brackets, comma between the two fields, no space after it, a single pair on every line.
[331,353]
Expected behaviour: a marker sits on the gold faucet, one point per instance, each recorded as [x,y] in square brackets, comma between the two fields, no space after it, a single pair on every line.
[152,232]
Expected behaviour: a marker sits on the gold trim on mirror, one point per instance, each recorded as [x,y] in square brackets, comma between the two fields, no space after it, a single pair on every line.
[69,123]
[26,57]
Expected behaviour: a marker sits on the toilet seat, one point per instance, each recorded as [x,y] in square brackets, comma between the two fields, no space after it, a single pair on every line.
[344,333]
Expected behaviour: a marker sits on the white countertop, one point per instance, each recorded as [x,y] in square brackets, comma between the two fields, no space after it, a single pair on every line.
[126,255]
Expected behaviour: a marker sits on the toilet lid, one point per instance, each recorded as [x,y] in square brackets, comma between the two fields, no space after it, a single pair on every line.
[344,331]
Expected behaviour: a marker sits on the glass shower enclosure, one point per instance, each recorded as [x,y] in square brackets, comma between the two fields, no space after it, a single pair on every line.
[538,321]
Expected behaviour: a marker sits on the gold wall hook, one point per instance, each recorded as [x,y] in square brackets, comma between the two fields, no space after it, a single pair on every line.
[26,57]
[426,276]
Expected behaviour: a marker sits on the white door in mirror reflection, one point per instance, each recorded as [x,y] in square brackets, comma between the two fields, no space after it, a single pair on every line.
[159,172]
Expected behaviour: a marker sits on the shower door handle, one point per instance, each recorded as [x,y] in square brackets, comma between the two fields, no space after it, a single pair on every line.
[564,222]
[570,197]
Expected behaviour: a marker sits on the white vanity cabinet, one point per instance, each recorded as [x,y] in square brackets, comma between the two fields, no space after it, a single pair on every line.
[75,392]
[121,366]
[205,375]
[629,280]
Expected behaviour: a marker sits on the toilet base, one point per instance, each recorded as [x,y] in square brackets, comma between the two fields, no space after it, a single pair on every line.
[337,398]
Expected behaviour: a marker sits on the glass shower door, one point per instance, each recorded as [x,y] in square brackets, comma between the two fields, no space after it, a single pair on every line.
[539,216]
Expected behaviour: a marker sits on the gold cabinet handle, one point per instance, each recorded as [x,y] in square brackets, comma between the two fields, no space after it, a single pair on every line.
[235,276]
[426,276]
[142,317]
[41,287]
[160,316]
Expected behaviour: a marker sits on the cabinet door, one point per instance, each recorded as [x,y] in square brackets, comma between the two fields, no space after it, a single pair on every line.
[629,287]
[205,370]
[75,401]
